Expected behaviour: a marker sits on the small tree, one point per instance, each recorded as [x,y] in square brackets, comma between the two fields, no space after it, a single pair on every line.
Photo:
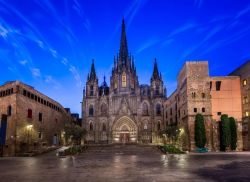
[200,131]
[172,132]
[233,131]
[75,132]
[225,132]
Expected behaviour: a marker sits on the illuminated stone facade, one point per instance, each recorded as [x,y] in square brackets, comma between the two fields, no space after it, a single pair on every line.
[34,121]
[125,112]
[197,92]
[128,112]
[244,73]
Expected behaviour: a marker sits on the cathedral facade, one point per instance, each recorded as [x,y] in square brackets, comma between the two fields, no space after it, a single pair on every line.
[125,111]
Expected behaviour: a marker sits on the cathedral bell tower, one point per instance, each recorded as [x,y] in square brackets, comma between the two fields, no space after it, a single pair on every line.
[157,89]
[92,83]
[124,78]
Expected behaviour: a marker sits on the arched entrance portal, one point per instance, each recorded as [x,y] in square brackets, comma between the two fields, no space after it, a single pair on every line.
[124,130]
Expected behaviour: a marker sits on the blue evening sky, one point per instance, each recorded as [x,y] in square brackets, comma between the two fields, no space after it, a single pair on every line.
[50,44]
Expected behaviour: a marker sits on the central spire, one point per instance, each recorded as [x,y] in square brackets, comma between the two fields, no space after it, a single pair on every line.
[123,54]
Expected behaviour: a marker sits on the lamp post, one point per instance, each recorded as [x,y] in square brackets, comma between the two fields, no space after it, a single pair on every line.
[29,127]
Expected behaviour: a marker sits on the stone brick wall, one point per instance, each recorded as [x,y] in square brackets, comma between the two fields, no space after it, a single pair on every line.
[29,133]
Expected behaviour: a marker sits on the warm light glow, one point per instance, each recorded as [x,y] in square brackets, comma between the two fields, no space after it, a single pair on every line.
[124,80]
[29,126]
[116,139]
[133,139]
[244,82]
[247,113]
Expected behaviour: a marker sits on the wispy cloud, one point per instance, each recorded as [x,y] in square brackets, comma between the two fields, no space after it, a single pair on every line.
[133,9]
[170,37]
[198,3]
[228,40]
[129,15]
[48,7]
[243,12]
[35,72]
[23,62]
[77,7]
[167,42]
[50,80]
[53,52]
[3,31]
[182,29]
[77,76]
[64,61]
[194,48]
[152,41]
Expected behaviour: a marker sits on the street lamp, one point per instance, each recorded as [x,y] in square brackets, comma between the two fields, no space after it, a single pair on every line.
[29,127]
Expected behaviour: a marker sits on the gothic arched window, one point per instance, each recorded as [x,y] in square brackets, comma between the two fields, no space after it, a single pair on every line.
[104,127]
[124,79]
[158,109]
[91,90]
[144,109]
[158,126]
[157,90]
[91,110]
[91,127]
[115,82]
[103,109]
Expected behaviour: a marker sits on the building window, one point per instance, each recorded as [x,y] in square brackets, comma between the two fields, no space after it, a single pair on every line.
[203,109]
[9,110]
[195,110]
[157,90]
[218,85]
[40,116]
[56,121]
[103,109]
[211,85]
[218,113]
[115,82]
[91,127]
[171,111]
[158,109]
[193,95]
[203,95]
[124,79]
[247,113]
[24,92]
[144,109]
[40,135]
[145,126]
[158,126]
[166,114]
[104,127]
[91,90]
[29,113]
[91,110]
[244,82]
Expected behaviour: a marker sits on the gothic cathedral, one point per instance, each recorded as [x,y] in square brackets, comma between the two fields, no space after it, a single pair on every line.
[125,111]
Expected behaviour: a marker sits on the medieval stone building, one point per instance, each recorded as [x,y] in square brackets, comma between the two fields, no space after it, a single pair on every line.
[29,120]
[126,111]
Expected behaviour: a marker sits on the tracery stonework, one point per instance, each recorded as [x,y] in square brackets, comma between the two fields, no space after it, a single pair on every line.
[125,108]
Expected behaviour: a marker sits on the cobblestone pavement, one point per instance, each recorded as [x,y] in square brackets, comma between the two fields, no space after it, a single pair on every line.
[127,163]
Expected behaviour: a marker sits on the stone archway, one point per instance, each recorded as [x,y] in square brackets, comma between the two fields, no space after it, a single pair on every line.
[124,130]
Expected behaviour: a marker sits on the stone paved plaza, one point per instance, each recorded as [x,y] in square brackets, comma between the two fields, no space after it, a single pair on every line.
[127,163]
